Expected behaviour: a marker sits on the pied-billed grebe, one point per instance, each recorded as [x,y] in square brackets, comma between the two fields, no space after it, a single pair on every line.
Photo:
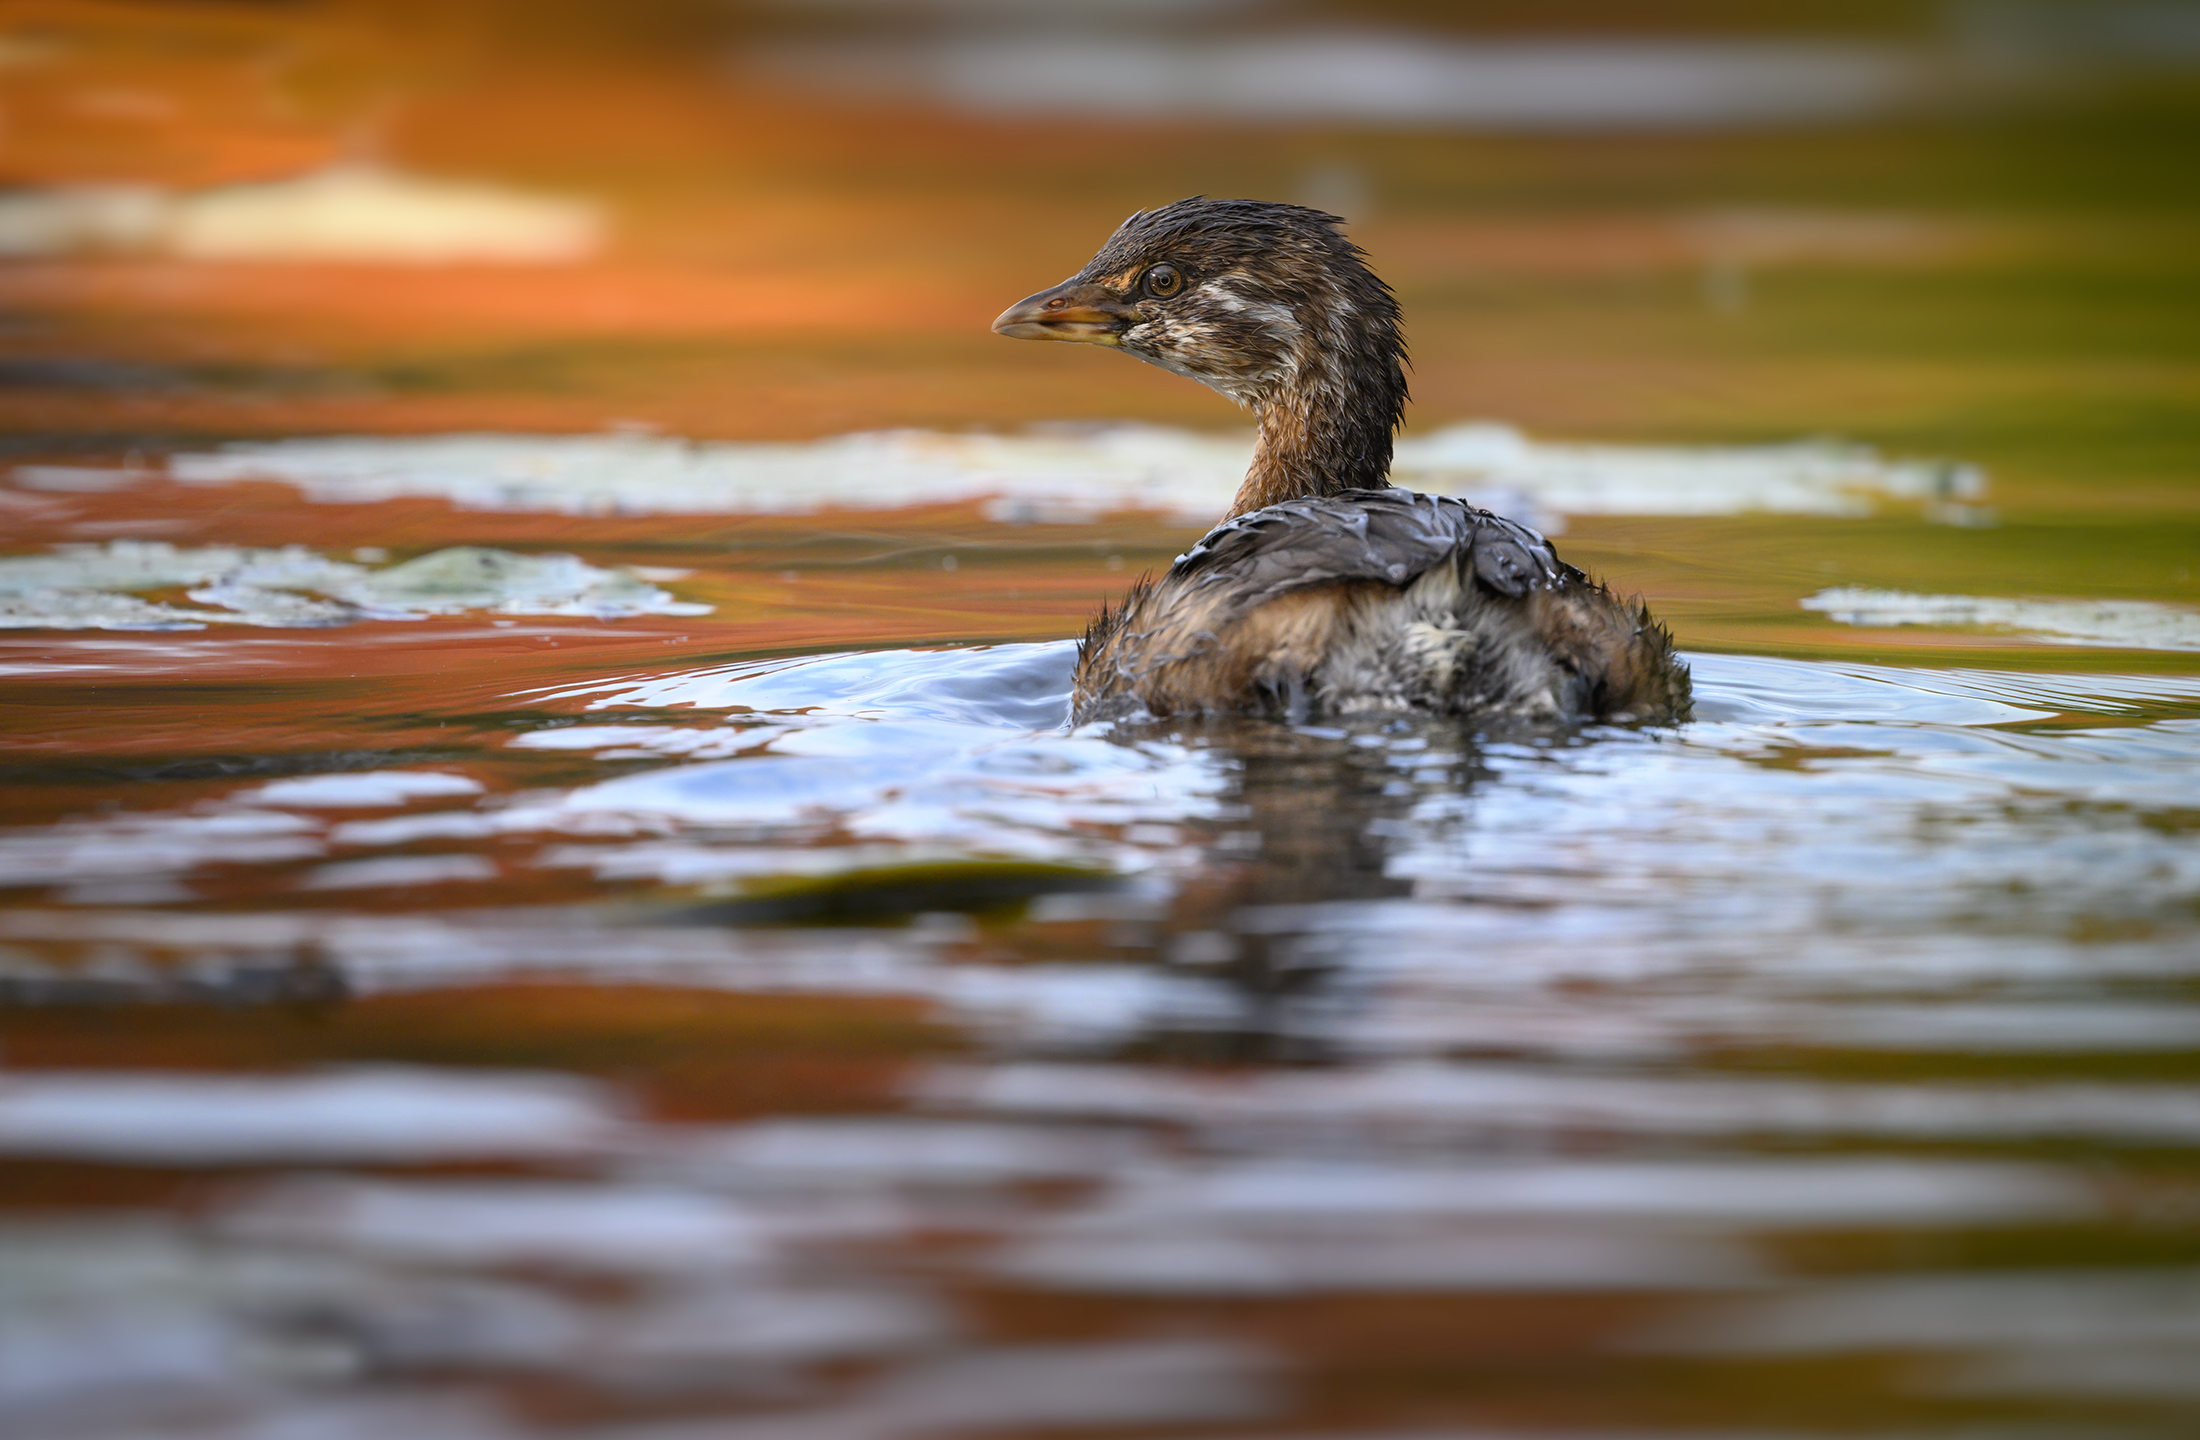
[1325,590]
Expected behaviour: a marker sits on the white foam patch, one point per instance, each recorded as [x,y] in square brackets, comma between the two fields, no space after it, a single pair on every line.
[1058,474]
[1138,1257]
[136,846]
[98,587]
[635,742]
[344,213]
[377,1115]
[867,1151]
[367,789]
[1757,1193]
[1444,1099]
[387,871]
[930,789]
[2120,624]
[568,1225]
[1369,77]
[898,763]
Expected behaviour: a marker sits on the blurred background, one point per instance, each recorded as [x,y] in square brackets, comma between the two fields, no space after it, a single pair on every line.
[542,892]
[1948,228]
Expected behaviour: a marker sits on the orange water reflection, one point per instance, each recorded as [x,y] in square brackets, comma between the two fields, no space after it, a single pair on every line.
[762,1022]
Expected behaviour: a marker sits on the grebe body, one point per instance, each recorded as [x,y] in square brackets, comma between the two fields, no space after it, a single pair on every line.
[1326,590]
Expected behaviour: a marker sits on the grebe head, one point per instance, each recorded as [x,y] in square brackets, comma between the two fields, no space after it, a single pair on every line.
[1270,305]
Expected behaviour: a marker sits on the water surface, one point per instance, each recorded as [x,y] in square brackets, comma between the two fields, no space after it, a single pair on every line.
[481,997]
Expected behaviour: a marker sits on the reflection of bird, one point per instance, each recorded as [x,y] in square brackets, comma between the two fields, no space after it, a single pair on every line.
[1326,590]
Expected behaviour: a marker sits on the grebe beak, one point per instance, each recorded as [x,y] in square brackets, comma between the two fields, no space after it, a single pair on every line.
[1072,310]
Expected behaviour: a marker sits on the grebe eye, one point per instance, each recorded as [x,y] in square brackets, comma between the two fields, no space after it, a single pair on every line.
[1162,281]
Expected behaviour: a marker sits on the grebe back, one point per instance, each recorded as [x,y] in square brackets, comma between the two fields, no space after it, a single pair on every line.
[1326,590]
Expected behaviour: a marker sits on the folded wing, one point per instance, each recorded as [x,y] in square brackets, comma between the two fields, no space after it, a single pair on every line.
[1388,535]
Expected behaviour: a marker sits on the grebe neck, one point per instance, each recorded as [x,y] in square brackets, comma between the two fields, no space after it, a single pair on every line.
[1327,428]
